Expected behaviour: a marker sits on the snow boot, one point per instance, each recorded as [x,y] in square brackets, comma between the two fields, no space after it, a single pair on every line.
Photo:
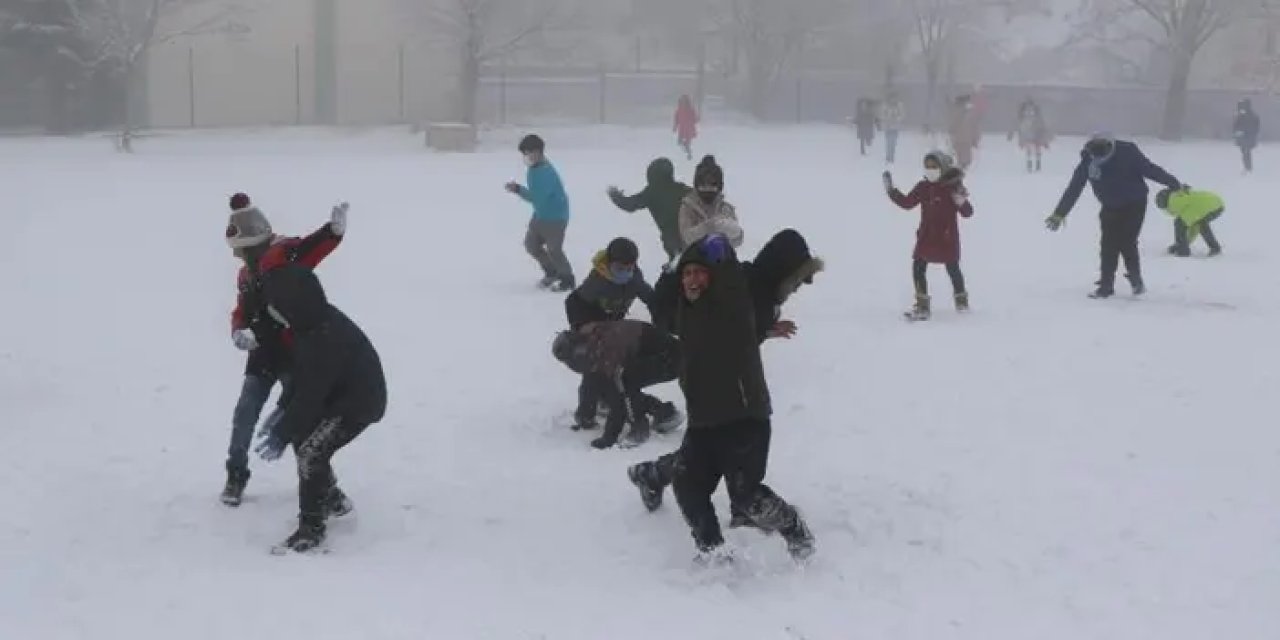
[1102,292]
[638,434]
[1181,252]
[1136,283]
[962,302]
[233,491]
[337,504]
[588,424]
[921,310]
[800,542]
[562,284]
[547,282]
[310,534]
[1215,251]
[643,477]
[667,418]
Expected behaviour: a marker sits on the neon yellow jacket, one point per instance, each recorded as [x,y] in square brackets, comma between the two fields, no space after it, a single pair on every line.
[1191,207]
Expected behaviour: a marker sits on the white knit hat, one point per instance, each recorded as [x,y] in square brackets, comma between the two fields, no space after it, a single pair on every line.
[247,226]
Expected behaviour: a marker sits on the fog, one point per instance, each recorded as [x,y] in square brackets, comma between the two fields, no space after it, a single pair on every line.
[1169,67]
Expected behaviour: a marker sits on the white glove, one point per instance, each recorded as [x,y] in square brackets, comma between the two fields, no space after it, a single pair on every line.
[338,219]
[959,198]
[244,339]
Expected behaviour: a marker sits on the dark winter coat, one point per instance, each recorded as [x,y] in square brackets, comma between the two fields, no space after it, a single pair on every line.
[271,358]
[1118,181]
[866,120]
[606,347]
[938,237]
[662,198]
[600,299]
[1247,127]
[338,374]
[722,375]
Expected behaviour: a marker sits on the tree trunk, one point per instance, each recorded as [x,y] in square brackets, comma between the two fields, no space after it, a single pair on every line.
[1175,104]
[931,91]
[469,88]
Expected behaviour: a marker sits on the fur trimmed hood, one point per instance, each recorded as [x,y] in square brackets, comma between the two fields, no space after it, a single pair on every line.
[784,263]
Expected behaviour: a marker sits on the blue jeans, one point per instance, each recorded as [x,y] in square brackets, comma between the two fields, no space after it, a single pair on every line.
[253,395]
[890,145]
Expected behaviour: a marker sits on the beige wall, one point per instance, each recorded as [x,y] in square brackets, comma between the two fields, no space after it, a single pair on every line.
[254,79]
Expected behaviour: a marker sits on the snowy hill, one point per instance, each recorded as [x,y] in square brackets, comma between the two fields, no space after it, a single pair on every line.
[1049,467]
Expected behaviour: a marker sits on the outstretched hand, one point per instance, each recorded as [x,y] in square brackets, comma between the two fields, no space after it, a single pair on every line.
[1055,222]
[338,219]
[785,329]
[513,187]
[614,192]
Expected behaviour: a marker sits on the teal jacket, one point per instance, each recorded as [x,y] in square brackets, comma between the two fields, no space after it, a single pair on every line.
[546,193]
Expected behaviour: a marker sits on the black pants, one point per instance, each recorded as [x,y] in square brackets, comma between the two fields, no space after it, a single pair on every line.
[739,453]
[315,468]
[1121,227]
[1180,233]
[1246,155]
[919,268]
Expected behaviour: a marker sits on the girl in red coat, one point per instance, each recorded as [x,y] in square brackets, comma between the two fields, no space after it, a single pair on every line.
[941,197]
[686,125]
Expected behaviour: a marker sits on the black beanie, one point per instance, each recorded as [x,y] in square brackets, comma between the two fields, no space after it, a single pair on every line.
[708,174]
[622,250]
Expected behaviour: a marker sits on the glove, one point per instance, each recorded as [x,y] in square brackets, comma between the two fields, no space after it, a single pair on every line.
[338,219]
[1055,221]
[271,448]
[888,181]
[244,339]
[715,247]
[513,187]
[614,192]
[959,198]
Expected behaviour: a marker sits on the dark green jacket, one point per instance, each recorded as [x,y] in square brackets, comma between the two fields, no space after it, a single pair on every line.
[722,375]
[661,197]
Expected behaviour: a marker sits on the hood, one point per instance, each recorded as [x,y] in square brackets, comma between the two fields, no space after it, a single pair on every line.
[1245,105]
[296,298]
[952,176]
[784,263]
[661,172]
[945,161]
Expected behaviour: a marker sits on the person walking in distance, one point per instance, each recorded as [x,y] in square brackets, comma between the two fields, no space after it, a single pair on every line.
[1118,172]
[544,239]
[1246,129]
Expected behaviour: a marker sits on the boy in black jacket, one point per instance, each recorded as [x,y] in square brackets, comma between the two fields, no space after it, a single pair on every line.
[629,355]
[728,402]
[607,294]
[783,265]
[338,390]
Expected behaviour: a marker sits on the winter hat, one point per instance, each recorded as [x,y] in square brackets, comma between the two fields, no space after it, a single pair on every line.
[944,161]
[661,171]
[785,262]
[532,144]
[708,174]
[622,251]
[247,226]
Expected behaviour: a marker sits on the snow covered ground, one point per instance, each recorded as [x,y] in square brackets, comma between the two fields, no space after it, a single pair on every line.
[1050,467]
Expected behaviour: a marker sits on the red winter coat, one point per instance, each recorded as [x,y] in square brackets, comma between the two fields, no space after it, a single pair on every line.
[938,238]
[686,121]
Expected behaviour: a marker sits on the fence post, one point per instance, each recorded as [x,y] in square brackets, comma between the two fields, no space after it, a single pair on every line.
[604,95]
[297,84]
[502,91]
[403,117]
[191,83]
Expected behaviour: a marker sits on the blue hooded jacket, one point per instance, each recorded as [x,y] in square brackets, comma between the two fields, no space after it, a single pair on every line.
[1118,180]
[546,193]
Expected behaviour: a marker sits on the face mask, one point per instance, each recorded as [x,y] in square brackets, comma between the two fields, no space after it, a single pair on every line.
[708,195]
[933,175]
[530,159]
[620,274]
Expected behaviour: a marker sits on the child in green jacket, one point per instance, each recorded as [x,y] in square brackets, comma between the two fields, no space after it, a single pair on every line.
[1192,211]
[662,198]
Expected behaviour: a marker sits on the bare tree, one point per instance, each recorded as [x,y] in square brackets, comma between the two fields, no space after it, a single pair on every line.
[481,32]
[1178,29]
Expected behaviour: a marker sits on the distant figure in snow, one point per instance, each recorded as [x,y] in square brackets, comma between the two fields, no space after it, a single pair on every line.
[685,125]
[1118,172]
[1192,211]
[965,129]
[943,199]
[662,197]
[866,121]
[893,115]
[1246,129]
[254,330]
[544,239]
[1032,133]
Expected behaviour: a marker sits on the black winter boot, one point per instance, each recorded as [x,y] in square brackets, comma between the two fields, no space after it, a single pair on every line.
[337,504]
[667,418]
[1135,281]
[233,490]
[310,534]
[643,476]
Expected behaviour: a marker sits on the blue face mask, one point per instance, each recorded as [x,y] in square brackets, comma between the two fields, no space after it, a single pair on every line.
[620,274]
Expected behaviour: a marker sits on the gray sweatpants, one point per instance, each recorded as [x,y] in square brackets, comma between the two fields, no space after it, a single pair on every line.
[545,242]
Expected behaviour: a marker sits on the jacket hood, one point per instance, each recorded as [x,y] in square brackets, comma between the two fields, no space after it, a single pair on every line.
[1245,105]
[784,263]
[296,298]
[661,172]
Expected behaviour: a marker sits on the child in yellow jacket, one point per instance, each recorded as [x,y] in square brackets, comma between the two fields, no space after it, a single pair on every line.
[1192,211]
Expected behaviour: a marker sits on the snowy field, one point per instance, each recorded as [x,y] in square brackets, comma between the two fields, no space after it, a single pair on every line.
[1049,467]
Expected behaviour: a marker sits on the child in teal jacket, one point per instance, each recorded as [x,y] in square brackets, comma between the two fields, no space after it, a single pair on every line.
[1192,211]
[544,239]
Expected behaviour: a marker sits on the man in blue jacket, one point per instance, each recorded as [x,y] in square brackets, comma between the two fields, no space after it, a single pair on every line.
[1118,172]
[545,237]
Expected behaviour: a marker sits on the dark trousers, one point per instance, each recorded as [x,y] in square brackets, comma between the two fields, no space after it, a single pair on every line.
[919,268]
[1121,227]
[1180,233]
[738,452]
[1246,156]
[315,467]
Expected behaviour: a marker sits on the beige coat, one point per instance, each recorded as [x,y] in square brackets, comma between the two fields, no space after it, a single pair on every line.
[697,219]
